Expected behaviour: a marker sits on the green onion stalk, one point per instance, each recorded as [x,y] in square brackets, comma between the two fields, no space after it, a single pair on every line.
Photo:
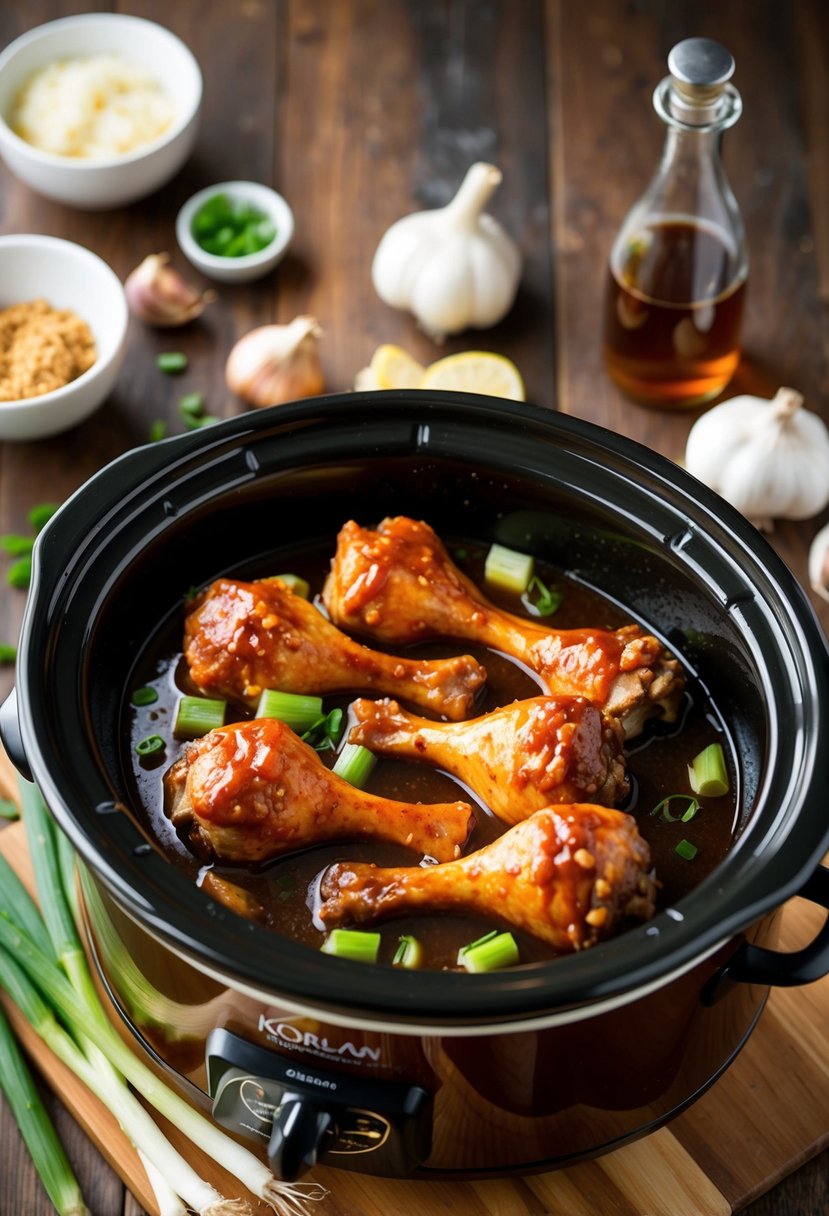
[43,969]
[36,1127]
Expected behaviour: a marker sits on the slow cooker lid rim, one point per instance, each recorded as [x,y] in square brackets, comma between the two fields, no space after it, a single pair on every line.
[575,425]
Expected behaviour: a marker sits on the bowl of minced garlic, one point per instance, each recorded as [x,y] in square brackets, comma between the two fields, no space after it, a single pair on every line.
[63,324]
[98,110]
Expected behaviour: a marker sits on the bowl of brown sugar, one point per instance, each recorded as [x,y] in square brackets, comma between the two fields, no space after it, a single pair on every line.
[63,322]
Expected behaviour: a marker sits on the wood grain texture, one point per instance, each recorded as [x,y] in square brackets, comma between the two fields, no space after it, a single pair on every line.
[362,110]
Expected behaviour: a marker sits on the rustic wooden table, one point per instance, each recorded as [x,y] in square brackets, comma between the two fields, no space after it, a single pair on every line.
[360,111]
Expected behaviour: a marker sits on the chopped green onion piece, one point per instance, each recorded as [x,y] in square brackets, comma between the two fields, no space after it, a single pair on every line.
[489,953]
[8,809]
[192,404]
[144,696]
[19,573]
[36,1127]
[355,764]
[8,653]
[171,361]
[325,732]
[286,884]
[150,745]
[663,808]
[687,850]
[409,953]
[231,227]
[17,546]
[509,570]
[707,772]
[298,585]
[196,716]
[295,709]
[540,599]
[158,430]
[40,515]
[355,944]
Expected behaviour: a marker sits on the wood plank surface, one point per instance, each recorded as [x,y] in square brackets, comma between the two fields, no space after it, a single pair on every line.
[360,111]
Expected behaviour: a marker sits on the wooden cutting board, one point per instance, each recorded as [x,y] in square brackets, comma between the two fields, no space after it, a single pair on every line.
[764,1118]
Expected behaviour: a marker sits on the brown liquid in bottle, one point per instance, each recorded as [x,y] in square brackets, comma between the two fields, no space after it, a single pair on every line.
[672,314]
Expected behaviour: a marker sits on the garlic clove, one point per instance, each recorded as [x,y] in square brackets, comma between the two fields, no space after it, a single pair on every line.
[157,294]
[819,563]
[276,363]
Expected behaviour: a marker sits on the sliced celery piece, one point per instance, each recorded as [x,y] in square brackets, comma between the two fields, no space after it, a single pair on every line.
[509,570]
[355,764]
[356,944]
[295,709]
[489,953]
[708,774]
[195,716]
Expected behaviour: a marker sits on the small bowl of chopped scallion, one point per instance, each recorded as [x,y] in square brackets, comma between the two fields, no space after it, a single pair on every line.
[235,231]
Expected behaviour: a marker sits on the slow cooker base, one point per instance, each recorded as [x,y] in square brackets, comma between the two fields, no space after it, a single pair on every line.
[596,1076]
[425,1173]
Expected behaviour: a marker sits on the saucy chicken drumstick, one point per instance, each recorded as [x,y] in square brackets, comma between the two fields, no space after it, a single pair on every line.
[568,875]
[517,759]
[242,637]
[254,790]
[399,585]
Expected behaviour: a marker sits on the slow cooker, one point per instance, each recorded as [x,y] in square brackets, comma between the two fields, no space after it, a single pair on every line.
[429,1073]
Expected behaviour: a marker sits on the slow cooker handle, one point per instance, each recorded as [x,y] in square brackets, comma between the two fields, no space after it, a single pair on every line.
[776,968]
[11,737]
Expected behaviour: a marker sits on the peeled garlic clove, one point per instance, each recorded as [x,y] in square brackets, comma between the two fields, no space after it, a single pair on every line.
[276,363]
[819,563]
[157,294]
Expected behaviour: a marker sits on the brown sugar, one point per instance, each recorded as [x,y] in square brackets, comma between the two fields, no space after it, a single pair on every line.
[41,349]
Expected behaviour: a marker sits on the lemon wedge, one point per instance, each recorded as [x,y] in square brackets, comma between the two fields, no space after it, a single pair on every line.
[476,371]
[394,367]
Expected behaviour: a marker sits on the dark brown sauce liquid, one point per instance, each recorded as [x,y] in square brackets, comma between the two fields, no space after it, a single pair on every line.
[672,315]
[658,762]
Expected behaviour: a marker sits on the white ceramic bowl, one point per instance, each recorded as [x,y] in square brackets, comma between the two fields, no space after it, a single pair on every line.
[111,182]
[66,276]
[251,265]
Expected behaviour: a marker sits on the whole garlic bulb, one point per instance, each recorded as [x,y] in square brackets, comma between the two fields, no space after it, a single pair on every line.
[453,267]
[770,459]
[276,363]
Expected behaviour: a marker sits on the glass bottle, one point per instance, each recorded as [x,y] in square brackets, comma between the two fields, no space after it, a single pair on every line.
[678,266]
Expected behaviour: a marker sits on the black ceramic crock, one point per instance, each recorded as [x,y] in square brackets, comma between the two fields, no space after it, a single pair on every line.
[111,568]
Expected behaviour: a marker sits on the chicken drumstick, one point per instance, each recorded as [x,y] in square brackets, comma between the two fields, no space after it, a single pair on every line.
[398,584]
[242,637]
[568,875]
[517,759]
[254,790]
